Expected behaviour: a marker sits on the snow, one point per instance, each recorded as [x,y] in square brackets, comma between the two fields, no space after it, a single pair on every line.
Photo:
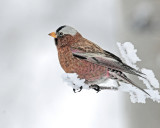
[72,80]
[151,77]
[128,53]
[136,95]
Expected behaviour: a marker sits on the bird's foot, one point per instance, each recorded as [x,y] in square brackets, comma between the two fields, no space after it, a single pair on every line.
[95,87]
[77,90]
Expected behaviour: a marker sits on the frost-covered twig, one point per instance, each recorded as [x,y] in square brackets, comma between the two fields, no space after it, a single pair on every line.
[129,55]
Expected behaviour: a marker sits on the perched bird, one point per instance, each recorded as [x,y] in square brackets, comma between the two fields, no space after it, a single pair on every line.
[79,55]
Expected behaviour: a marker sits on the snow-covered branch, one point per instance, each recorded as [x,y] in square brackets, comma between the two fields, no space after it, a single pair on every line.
[136,95]
[129,55]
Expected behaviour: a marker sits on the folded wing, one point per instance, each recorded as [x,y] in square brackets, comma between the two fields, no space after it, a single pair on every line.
[104,58]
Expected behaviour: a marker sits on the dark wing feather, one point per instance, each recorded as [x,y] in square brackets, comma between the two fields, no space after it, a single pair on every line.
[112,55]
[118,59]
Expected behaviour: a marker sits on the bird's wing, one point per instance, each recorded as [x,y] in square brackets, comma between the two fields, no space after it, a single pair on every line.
[94,54]
[87,46]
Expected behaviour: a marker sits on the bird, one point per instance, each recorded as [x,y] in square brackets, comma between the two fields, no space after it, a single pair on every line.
[79,55]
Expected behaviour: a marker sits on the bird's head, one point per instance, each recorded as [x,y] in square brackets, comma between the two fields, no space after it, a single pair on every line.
[65,35]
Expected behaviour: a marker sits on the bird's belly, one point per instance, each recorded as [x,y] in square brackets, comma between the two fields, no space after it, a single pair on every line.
[91,72]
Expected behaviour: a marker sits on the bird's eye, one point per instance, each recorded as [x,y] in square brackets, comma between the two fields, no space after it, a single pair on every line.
[61,34]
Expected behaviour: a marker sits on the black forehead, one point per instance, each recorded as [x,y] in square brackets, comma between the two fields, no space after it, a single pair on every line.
[60,28]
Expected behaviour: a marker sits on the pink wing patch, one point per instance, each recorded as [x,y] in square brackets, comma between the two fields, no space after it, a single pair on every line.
[108,73]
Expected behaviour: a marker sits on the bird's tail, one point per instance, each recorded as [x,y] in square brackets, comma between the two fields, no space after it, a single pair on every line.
[122,77]
[134,71]
[137,73]
[127,80]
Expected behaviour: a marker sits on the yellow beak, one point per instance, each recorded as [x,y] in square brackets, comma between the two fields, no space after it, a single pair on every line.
[53,34]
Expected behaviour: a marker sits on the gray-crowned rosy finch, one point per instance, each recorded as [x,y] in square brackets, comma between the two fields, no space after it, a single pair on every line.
[92,63]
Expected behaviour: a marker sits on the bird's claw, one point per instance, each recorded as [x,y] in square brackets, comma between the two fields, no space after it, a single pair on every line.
[77,90]
[95,87]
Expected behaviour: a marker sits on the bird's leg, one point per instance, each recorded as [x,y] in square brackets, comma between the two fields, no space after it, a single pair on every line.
[77,90]
[99,88]
[118,84]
